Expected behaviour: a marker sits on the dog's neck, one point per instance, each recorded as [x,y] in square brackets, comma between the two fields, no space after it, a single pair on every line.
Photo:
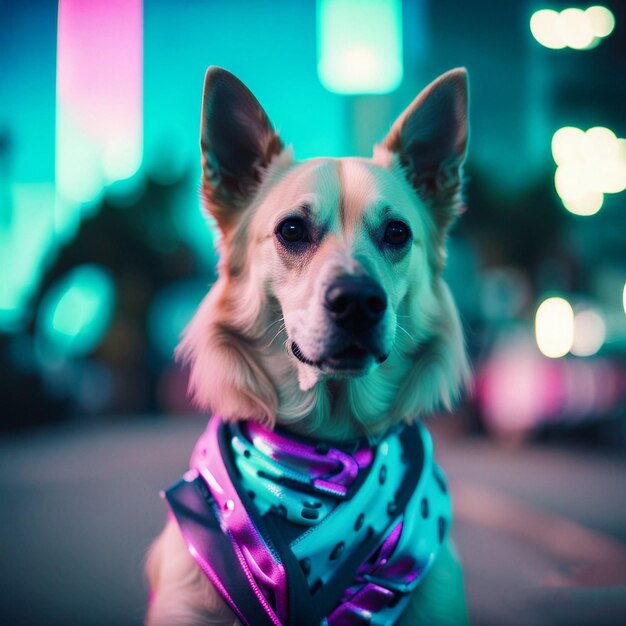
[338,409]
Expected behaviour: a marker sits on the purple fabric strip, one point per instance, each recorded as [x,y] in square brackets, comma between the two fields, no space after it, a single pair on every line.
[381,558]
[332,470]
[215,580]
[368,597]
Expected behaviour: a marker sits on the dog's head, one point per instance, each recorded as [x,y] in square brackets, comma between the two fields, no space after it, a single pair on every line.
[330,312]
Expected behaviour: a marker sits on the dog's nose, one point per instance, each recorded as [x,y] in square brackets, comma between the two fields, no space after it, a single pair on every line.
[355,303]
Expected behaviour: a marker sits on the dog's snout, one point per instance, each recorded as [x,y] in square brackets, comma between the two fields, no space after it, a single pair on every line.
[355,303]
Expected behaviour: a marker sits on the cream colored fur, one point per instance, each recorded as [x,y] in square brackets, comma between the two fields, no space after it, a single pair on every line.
[238,345]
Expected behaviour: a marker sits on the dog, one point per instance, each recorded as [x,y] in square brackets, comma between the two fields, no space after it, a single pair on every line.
[328,332]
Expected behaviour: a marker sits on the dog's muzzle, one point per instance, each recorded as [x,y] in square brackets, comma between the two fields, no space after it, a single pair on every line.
[355,304]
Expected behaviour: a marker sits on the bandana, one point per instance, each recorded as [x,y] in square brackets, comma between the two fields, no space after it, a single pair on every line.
[299,532]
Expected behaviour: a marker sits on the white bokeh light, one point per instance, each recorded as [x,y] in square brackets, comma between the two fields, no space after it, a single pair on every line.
[589,333]
[585,205]
[572,28]
[590,164]
[543,28]
[554,327]
[601,20]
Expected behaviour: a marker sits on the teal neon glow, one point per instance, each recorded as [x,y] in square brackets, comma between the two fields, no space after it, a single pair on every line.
[359,44]
[26,238]
[76,312]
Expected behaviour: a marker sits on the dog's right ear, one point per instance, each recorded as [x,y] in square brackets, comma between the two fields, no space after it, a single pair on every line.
[238,142]
[430,140]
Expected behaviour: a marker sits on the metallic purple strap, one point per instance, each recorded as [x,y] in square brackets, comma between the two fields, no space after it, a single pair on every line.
[360,602]
[263,569]
[331,470]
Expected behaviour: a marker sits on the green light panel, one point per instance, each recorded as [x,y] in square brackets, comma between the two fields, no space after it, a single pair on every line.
[26,234]
[359,45]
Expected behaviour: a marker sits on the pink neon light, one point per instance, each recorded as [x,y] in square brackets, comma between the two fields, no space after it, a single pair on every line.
[99,74]
[100,60]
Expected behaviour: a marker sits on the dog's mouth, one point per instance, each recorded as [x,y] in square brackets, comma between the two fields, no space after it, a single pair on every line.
[353,358]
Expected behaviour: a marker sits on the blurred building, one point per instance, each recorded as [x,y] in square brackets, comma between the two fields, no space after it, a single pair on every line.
[104,251]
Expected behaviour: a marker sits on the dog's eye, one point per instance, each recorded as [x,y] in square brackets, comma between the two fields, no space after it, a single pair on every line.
[397,233]
[292,230]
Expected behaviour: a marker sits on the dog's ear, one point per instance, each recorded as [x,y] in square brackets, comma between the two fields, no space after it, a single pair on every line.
[238,142]
[430,139]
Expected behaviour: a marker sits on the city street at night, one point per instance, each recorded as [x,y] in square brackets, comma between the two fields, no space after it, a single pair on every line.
[338,217]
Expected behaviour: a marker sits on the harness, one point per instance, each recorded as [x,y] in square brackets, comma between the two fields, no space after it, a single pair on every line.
[297,532]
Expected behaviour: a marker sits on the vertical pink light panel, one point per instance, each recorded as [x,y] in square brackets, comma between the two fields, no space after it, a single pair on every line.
[99,98]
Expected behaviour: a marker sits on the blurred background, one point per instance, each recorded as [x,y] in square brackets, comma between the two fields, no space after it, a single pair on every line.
[104,255]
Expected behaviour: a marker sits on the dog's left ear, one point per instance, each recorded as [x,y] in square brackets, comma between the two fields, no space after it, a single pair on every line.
[238,142]
[430,139]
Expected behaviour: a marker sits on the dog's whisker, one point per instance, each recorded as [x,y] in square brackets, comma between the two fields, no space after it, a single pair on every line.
[280,330]
[276,321]
[408,334]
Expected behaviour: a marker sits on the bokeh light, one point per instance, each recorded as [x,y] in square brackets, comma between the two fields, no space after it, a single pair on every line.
[76,312]
[572,27]
[589,333]
[601,20]
[511,389]
[543,26]
[569,180]
[599,143]
[565,144]
[364,55]
[590,164]
[586,204]
[554,327]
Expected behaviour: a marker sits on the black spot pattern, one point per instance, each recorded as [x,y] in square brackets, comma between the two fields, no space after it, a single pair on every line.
[305,564]
[441,481]
[322,448]
[337,551]
[442,528]
[280,510]
[308,513]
